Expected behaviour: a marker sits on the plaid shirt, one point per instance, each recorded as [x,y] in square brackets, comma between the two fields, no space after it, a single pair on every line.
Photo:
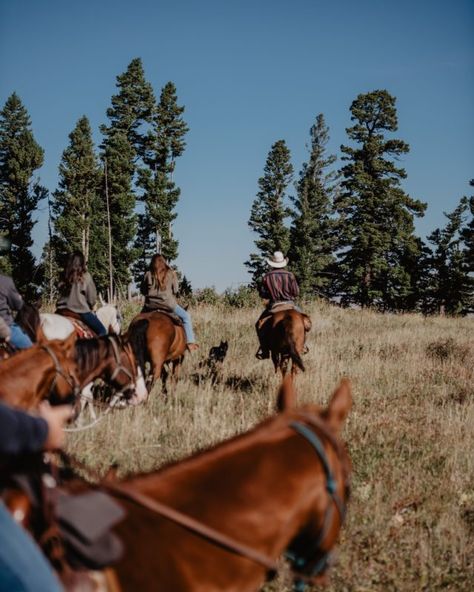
[279,285]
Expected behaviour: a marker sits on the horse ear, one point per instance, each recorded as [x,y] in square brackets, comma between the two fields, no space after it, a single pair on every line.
[70,343]
[339,405]
[286,395]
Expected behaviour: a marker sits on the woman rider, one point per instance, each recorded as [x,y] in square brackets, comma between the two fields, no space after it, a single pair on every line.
[78,292]
[160,286]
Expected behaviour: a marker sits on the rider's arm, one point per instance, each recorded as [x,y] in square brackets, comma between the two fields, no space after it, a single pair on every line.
[263,288]
[294,288]
[91,292]
[5,331]
[146,284]
[22,433]
[14,300]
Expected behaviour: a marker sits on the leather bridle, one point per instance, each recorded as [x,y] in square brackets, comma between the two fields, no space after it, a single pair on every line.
[120,368]
[70,379]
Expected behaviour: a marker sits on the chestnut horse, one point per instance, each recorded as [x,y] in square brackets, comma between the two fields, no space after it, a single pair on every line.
[219,520]
[32,374]
[157,339]
[283,334]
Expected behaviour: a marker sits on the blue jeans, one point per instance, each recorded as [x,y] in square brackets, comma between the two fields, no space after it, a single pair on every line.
[93,322]
[186,318]
[19,338]
[22,566]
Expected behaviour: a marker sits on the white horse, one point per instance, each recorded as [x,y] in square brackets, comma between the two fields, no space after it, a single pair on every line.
[55,326]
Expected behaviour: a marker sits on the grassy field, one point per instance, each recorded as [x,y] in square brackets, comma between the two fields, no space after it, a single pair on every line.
[410,435]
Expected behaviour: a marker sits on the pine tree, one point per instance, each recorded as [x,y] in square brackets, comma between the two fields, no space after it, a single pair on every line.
[269,212]
[20,192]
[312,231]
[467,233]
[450,287]
[124,138]
[163,144]
[77,206]
[376,215]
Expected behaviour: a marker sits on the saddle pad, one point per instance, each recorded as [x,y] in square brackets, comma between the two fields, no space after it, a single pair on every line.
[90,515]
[281,306]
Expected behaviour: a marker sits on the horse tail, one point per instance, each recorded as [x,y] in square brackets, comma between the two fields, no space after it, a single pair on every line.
[138,341]
[294,355]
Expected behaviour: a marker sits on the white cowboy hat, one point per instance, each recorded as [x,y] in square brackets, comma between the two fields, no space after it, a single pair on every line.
[278,260]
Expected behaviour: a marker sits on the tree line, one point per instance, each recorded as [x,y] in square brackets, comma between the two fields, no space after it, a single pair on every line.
[115,202]
[350,232]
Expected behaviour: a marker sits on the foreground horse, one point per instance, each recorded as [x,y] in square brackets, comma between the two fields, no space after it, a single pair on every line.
[32,374]
[283,335]
[157,339]
[280,488]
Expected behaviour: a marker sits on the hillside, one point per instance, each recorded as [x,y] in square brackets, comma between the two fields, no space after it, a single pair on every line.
[411,434]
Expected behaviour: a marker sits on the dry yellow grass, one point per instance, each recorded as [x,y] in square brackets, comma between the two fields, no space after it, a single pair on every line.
[411,434]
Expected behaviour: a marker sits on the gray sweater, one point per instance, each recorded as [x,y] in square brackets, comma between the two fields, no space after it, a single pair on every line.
[9,299]
[82,295]
[160,298]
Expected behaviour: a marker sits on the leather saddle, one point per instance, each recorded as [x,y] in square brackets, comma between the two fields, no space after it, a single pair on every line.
[82,330]
[166,311]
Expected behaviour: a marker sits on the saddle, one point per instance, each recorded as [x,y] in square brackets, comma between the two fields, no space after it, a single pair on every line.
[82,330]
[166,311]
[281,307]
[76,534]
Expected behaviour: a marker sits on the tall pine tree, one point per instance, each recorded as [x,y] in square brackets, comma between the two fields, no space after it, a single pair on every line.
[467,233]
[269,210]
[163,144]
[450,287]
[131,111]
[376,215]
[20,192]
[78,206]
[312,232]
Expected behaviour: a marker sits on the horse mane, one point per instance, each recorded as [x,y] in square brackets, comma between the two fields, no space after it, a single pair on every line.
[138,341]
[29,320]
[88,353]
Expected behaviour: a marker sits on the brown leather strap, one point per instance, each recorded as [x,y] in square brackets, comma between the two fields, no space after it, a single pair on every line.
[193,525]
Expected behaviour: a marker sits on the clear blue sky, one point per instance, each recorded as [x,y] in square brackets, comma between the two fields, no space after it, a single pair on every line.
[250,73]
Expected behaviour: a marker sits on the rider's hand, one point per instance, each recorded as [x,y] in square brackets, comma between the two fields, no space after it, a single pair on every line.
[56,418]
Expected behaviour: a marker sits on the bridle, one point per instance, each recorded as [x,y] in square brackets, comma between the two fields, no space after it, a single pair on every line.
[120,368]
[70,379]
[300,562]
[303,572]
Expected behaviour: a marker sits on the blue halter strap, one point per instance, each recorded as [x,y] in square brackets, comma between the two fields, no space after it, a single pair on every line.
[331,487]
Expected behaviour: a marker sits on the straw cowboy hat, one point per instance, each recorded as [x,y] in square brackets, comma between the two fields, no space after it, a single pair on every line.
[278,260]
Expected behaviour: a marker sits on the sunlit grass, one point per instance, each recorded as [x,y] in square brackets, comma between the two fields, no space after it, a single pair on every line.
[411,434]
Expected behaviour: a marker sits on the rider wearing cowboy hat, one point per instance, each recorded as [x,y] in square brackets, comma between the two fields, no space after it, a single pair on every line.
[278,286]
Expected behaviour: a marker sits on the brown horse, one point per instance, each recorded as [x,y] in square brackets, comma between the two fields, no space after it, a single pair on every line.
[219,520]
[157,339]
[32,374]
[283,334]
[280,488]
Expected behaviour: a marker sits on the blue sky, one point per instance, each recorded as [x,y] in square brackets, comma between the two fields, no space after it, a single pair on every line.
[250,73]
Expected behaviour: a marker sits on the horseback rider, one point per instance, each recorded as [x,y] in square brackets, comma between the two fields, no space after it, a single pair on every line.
[278,287]
[10,300]
[160,287]
[22,565]
[78,292]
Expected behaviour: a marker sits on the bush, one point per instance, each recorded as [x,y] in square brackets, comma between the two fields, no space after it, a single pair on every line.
[242,297]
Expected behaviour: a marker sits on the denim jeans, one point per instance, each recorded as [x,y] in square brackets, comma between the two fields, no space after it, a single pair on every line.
[186,318]
[22,566]
[93,322]
[19,338]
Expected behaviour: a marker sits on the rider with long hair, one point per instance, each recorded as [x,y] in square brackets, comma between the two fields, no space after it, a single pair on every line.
[78,292]
[160,287]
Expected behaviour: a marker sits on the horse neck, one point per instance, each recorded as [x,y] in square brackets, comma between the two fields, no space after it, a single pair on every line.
[26,378]
[251,484]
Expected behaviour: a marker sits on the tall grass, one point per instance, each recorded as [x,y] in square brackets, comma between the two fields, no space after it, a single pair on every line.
[410,434]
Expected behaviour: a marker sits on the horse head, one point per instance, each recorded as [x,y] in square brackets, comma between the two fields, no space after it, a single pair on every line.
[125,373]
[65,382]
[320,428]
